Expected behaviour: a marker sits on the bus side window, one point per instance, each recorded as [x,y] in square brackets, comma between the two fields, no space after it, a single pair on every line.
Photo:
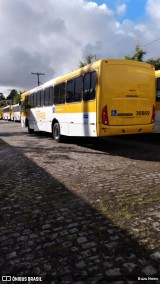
[62,93]
[50,96]
[86,88]
[34,100]
[93,85]
[46,97]
[38,98]
[31,100]
[56,94]
[59,94]
[78,89]
[89,90]
[158,90]
[70,91]
[42,97]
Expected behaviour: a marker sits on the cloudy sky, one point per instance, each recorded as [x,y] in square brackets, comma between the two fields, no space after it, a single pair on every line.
[52,36]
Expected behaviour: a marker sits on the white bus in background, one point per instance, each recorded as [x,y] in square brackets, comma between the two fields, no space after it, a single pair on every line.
[15,112]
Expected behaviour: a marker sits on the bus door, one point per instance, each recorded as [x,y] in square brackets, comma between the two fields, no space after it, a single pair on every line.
[74,106]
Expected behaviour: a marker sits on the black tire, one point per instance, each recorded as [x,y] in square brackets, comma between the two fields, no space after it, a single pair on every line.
[56,133]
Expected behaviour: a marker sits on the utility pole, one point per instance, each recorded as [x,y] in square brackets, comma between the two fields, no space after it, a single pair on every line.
[38,74]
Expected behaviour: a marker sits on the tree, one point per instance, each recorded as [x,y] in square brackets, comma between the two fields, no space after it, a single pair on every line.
[2,97]
[138,55]
[154,62]
[2,100]
[14,96]
[89,58]
[17,98]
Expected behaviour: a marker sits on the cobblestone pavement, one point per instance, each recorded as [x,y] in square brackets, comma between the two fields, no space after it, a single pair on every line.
[79,212]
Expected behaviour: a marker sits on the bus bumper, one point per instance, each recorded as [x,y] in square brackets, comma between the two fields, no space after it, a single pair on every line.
[122,130]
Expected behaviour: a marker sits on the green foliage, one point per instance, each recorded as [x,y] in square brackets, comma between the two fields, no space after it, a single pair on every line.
[3,103]
[154,62]
[2,97]
[138,55]
[2,100]
[14,96]
[17,98]
[89,58]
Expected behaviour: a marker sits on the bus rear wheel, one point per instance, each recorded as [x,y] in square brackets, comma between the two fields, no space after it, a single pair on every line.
[56,132]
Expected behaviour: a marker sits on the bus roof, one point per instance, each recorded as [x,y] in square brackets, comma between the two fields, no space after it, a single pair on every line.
[84,70]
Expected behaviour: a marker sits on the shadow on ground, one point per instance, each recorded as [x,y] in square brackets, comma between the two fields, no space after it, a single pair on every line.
[143,147]
[46,229]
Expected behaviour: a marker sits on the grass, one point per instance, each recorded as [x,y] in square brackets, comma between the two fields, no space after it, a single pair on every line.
[124,209]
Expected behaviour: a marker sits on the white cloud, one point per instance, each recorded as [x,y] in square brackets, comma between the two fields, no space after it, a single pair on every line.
[153,9]
[93,6]
[121,9]
[52,36]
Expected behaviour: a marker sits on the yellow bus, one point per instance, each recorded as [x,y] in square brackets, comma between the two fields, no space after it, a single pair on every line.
[105,98]
[1,112]
[7,113]
[157,119]
[15,112]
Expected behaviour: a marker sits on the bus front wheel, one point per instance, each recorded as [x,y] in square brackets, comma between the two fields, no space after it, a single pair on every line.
[56,132]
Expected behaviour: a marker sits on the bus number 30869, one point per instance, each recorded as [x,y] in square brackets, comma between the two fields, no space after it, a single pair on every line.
[142,112]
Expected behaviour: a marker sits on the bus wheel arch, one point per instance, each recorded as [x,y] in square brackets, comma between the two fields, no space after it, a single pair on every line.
[56,131]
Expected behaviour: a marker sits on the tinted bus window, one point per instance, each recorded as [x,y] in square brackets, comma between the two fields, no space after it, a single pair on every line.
[31,100]
[78,89]
[89,90]
[46,97]
[93,85]
[34,99]
[38,98]
[158,90]
[56,94]
[50,96]
[42,97]
[86,89]
[62,93]
[70,91]
[59,93]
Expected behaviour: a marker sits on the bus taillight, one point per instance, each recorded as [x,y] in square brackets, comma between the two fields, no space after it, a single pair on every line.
[153,114]
[105,115]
